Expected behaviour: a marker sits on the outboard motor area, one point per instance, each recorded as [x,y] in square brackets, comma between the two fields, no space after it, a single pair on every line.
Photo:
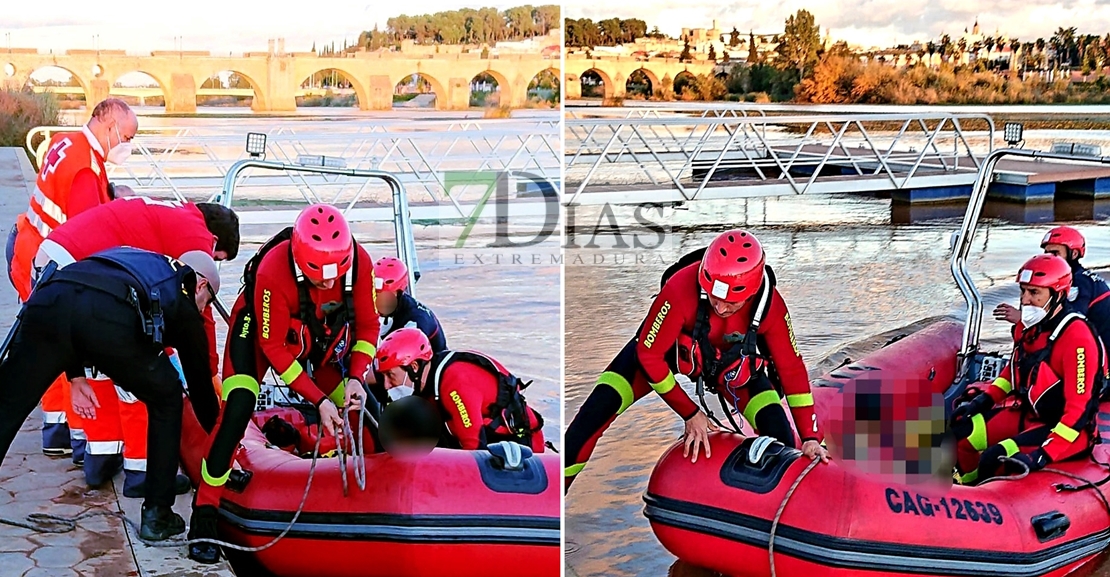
[984,368]
[758,464]
[509,467]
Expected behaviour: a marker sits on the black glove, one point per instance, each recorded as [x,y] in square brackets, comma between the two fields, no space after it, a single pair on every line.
[1035,460]
[965,411]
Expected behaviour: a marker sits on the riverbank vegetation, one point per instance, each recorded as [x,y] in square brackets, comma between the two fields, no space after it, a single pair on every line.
[22,110]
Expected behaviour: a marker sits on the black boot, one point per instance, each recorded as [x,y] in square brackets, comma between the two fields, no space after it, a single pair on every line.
[160,523]
[202,525]
[181,486]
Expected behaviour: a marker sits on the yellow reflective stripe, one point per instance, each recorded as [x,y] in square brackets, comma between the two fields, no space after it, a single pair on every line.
[757,403]
[339,394]
[663,387]
[209,479]
[239,382]
[1069,434]
[978,436]
[573,470]
[292,373]
[799,401]
[968,478]
[619,384]
[1003,384]
[364,347]
[1010,446]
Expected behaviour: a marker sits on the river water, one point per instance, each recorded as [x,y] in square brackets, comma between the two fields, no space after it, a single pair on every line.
[849,267]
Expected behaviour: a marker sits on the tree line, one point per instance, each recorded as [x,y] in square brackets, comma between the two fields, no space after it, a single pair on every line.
[609,32]
[464,26]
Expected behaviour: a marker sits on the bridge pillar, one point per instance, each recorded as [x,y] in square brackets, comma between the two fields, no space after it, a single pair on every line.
[458,95]
[182,94]
[280,86]
[97,92]
[379,92]
[517,92]
[573,86]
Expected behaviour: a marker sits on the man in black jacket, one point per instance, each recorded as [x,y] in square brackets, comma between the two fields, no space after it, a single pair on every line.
[118,310]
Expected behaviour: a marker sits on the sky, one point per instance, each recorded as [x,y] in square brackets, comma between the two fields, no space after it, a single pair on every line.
[866,23]
[218,26]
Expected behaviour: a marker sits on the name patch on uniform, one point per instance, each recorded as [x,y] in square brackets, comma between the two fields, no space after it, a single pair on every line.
[1081,370]
[266,313]
[658,322]
[462,409]
[790,331]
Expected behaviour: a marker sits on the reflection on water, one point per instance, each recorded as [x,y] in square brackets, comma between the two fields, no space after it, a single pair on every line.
[1062,210]
[846,272]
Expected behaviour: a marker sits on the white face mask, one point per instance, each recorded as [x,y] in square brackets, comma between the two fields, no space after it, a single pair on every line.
[400,392]
[119,153]
[1031,315]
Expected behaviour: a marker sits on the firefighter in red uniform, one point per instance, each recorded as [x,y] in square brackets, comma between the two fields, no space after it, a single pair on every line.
[73,178]
[170,228]
[307,310]
[480,398]
[1056,372]
[721,320]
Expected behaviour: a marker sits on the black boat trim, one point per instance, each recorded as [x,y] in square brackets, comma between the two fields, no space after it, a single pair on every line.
[388,527]
[869,555]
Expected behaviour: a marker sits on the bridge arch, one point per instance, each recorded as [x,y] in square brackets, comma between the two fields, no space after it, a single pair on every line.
[362,97]
[433,85]
[259,101]
[587,79]
[81,82]
[544,86]
[682,81]
[162,85]
[642,81]
[503,88]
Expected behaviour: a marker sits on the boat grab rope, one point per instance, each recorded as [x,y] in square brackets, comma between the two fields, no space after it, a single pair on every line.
[47,523]
[782,507]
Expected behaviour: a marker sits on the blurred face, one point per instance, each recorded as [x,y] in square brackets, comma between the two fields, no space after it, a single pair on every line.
[724,309]
[1057,249]
[324,285]
[1034,296]
[386,302]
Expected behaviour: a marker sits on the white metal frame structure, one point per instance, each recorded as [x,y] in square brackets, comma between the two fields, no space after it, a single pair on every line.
[192,163]
[647,157]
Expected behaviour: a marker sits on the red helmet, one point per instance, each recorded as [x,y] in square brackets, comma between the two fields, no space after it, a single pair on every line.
[1068,237]
[401,347]
[390,274]
[732,268]
[323,247]
[1047,271]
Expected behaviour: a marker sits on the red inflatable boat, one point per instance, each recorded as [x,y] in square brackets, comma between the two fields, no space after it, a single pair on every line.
[718,513]
[451,513]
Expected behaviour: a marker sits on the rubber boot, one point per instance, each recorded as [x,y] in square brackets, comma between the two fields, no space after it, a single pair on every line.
[202,525]
[160,523]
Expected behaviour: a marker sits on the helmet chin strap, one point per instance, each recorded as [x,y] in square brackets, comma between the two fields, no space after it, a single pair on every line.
[413,374]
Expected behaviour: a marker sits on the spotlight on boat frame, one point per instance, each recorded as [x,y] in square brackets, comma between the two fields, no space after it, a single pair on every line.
[256,144]
[1012,133]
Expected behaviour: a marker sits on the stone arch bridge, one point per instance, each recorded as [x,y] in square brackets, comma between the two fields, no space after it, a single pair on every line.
[275,76]
[614,72]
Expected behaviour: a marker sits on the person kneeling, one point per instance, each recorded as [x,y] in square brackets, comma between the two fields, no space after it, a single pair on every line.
[479,398]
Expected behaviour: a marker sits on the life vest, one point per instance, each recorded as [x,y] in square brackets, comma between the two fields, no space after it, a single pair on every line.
[161,282]
[1034,378]
[509,413]
[691,358]
[320,341]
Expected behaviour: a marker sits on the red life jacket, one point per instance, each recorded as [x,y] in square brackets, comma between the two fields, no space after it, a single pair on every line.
[1034,378]
[510,413]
